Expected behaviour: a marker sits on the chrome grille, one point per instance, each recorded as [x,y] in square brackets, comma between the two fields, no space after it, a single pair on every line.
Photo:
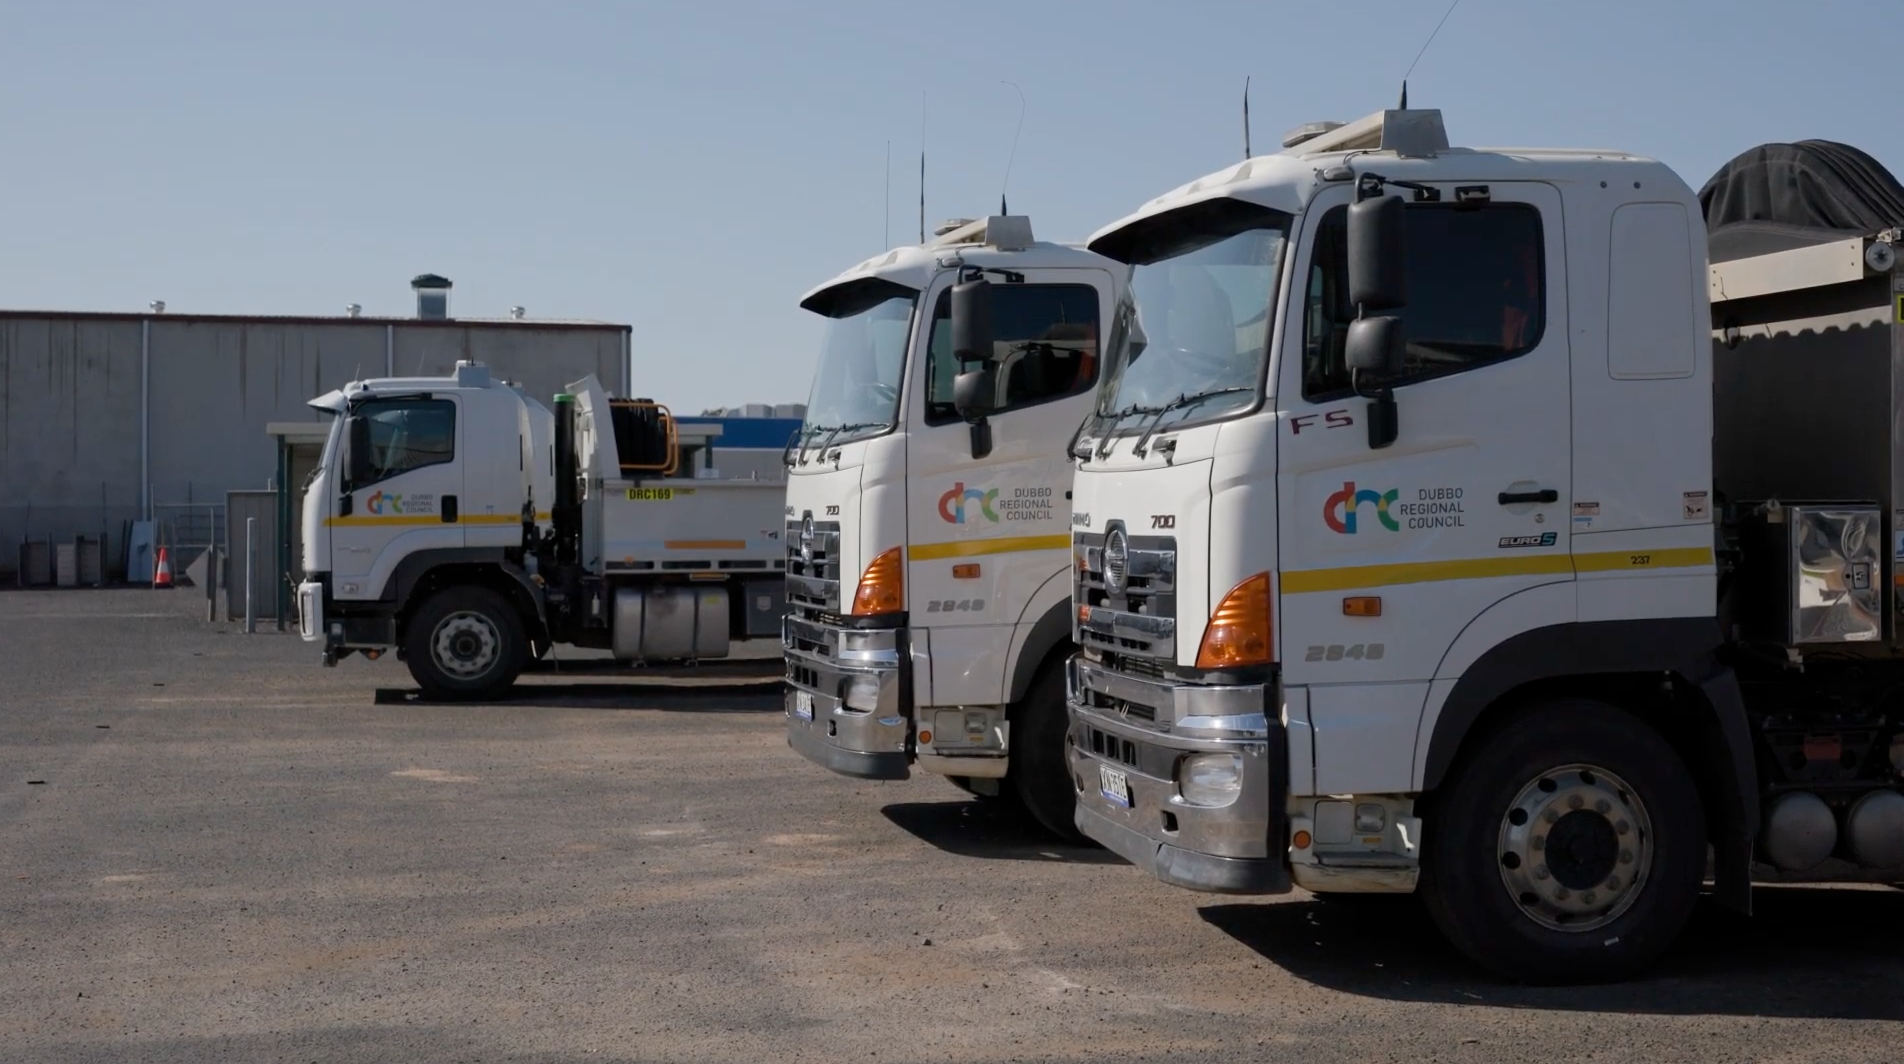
[1127,594]
[813,565]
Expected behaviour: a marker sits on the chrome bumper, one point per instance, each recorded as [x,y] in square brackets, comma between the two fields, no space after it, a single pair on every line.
[1239,848]
[867,739]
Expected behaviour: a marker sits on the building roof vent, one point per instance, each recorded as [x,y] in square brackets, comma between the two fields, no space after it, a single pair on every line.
[432,296]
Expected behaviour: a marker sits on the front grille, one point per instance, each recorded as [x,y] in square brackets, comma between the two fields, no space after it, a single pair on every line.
[1104,744]
[803,675]
[813,566]
[1122,707]
[1139,617]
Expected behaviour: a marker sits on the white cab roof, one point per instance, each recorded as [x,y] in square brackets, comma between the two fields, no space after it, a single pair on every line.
[913,266]
[1288,180]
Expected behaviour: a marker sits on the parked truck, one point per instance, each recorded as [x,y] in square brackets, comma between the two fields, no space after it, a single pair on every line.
[927,510]
[1456,521]
[471,529]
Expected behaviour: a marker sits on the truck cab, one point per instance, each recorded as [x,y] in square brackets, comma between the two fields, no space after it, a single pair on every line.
[928,508]
[1395,546]
[471,529]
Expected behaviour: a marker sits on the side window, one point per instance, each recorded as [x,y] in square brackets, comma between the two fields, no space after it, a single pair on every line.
[1046,346]
[408,434]
[1476,287]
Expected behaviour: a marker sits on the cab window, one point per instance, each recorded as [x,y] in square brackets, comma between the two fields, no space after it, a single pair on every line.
[407,434]
[1046,347]
[1475,284]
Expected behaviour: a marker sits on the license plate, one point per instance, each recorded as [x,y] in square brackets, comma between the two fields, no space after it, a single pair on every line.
[1114,784]
[803,705]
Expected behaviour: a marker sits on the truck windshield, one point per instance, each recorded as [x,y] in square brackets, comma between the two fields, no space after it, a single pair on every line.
[862,360]
[1190,345]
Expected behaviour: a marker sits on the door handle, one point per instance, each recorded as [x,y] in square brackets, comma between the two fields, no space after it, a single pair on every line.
[449,509]
[1509,498]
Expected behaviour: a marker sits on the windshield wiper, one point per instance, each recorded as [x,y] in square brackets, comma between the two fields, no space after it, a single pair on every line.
[1179,403]
[833,432]
[1115,418]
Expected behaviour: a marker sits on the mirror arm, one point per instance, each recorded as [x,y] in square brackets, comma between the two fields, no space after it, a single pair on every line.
[1368,186]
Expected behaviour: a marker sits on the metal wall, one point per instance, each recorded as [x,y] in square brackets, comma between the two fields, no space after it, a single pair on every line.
[72,434]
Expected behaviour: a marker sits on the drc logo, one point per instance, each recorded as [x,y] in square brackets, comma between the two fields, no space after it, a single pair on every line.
[379,503]
[952,504]
[1339,510]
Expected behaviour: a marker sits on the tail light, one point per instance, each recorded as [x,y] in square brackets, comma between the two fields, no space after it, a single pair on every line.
[882,588]
[1239,633]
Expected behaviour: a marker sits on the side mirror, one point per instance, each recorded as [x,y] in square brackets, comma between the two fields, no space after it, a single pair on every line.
[973,391]
[972,394]
[1374,347]
[972,320]
[356,452]
[1376,253]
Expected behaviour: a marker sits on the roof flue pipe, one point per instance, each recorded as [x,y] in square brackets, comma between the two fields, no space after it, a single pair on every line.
[432,296]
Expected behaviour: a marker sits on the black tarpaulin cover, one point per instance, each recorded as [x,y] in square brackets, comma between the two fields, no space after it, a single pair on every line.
[1782,196]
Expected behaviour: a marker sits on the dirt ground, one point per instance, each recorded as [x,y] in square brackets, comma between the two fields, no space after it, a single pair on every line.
[211,848]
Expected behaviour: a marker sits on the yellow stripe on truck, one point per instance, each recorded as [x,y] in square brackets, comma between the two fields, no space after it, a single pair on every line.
[359,520]
[971,548]
[1358,576]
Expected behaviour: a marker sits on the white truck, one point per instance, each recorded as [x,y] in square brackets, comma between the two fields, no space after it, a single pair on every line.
[1454,521]
[470,528]
[927,509]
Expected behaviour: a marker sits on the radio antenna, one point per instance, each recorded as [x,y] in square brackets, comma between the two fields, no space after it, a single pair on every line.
[1424,50]
[1246,128]
[922,167]
[1009,159]
[885,235]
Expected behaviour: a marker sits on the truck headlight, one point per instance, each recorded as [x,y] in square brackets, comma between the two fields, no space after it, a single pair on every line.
[862,693]
[1210,779]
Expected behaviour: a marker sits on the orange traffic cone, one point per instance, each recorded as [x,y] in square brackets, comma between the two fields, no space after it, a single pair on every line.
[162,577]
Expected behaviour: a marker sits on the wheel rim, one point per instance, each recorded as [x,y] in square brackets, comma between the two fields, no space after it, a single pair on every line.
[465,645]
[1575,848]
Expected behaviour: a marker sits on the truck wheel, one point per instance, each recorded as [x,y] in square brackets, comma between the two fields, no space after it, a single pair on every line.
[1568,849]
[1038,773]
[465,643]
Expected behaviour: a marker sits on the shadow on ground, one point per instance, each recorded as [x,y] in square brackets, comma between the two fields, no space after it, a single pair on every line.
[1805,953]
[718,697]
[992,828]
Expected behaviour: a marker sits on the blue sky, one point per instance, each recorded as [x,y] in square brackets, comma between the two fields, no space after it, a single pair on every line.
[692,168]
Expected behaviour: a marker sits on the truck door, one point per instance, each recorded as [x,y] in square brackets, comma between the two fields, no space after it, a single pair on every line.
[406,497]
[989,535]
[1387,554]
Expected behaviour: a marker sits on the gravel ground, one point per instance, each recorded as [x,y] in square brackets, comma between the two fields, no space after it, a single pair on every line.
[213,849]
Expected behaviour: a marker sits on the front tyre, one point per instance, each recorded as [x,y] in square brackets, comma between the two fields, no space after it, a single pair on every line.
[465,644]
[1569,848]
[1038,773]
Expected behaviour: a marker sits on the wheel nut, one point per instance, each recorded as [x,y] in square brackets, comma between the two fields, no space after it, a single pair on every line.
[1574,801]
[1622,827]
[1587,897]
[1613,883]
[1541,872]
[1540,842]
[1603,807]
[1626,856]
[1551,817]
[1562,894]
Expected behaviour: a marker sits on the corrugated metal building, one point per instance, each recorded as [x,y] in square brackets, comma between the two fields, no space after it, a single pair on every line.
[109,418]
